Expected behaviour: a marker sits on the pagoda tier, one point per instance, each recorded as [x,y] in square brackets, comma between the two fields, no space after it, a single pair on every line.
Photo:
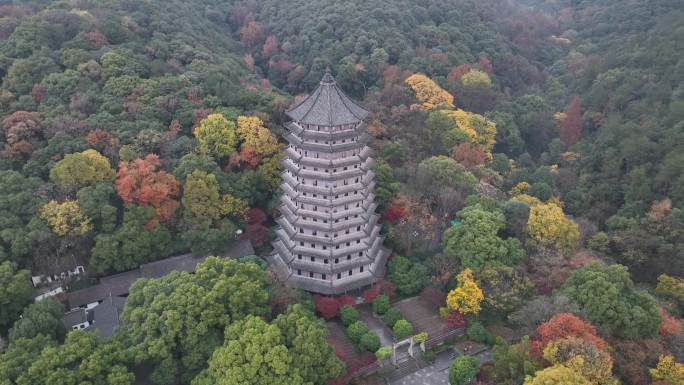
[328,236]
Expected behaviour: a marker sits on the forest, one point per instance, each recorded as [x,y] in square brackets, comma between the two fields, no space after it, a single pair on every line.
[529,174]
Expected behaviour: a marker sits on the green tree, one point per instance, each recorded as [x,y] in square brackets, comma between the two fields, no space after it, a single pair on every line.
[217,136]
[512,363]
[82,169]
[20,354]
[290,350]
[43,317]
[463,370]
[356,330]
[408,276]
[83,359]
[132,244]
[381,304]
[15,293]
[505,288]
[177,321]
[201,200]
[476,244]
[348,315]
[96,203]
[370,342]
[402,329]
[610,300]
[18,205]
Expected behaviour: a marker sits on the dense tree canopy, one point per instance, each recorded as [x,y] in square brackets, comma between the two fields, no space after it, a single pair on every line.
[15,293]
[292,349]
[611,301]
[190,311]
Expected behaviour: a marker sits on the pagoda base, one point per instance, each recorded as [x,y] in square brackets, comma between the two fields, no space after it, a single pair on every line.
[330,287]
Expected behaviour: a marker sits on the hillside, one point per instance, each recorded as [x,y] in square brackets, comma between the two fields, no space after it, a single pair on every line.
[529,175]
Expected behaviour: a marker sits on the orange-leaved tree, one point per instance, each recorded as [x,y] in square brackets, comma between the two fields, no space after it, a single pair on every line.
[141,183]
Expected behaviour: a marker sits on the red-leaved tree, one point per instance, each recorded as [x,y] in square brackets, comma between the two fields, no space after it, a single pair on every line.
[22,128]
[454,320]
[327,307]
[571,128]
[139,182]
[563,325]
[468,155]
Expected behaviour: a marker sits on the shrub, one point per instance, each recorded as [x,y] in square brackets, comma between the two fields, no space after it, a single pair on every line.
[369,341]
[381,304]
[463,370]
[348,315]
[327,307]
[392,316]
[402,329]
[383,353]
[356,330]
[477,332]
[370,294]
[346,300]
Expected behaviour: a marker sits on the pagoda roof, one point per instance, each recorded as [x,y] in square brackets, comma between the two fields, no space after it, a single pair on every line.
[327,105]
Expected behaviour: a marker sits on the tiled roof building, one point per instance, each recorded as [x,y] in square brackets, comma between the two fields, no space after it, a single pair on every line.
[328,236]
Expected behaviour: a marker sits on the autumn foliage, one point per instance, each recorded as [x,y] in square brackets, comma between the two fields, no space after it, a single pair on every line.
[571,128]
[21,128]
[429,93]
[139,182]
[329,307]
[564,325]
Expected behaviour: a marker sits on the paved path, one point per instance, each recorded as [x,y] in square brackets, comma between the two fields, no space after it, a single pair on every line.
[376,325]
[435,374]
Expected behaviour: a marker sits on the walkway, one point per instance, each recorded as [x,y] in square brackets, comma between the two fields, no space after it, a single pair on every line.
[376,324]
[435,374]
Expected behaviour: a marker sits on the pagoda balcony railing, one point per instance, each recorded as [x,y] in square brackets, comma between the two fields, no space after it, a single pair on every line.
[339,162]
[301,132]
[337,286]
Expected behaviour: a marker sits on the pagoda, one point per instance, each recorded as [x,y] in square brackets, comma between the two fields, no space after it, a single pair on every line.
[328,236]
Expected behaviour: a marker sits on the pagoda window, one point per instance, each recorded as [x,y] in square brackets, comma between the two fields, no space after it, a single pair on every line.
[350,272]
[299,256]
[315,208]
[348,244]
[356,180]
[311,274]
[301,243]
[325,261]
[360,253]
[325,247]
[314,232]
[361,269]
[313,245]
[301,230]
[339,275]
[337,260]
[299,272]
[313,259]
[323,276]
[345,169]
[358,228]
[315,219]
[337,246]
[358,241]
[348,257]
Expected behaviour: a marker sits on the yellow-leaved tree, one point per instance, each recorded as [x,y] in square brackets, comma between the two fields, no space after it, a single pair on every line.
[254,135]
[668,370]
[480,131]
[548,226]
[467,296]
[429,93]
[65,218]
[216,135]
